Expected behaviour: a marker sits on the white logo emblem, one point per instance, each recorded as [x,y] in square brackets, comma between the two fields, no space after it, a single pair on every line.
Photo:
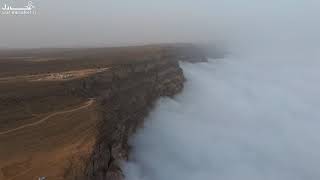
[29,9]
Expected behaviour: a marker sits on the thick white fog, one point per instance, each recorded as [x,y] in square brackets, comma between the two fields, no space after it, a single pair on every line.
[253,115]
[236,119]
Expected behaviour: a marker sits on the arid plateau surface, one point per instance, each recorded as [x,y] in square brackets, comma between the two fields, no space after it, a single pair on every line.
[68,113]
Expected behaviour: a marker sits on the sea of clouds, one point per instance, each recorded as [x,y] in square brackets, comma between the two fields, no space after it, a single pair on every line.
[253,115]
[236,119]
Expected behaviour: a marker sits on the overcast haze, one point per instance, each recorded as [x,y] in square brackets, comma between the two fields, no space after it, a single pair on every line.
[113,22]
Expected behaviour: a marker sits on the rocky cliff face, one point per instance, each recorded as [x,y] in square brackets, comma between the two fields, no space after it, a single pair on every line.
[125,95]
[124,106]
[121,83]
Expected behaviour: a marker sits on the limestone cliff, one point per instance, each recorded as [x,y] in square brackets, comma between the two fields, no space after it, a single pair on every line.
[125,95]
[132,91]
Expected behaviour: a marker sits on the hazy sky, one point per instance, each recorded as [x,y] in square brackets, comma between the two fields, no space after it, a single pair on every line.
[122,22]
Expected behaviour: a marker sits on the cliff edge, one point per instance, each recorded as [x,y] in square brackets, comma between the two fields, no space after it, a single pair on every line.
[68,114]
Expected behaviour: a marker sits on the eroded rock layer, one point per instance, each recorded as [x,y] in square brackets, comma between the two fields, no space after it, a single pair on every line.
[134,89]
[128,95]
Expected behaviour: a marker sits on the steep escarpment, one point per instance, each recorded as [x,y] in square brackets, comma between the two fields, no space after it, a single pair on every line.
[128,94]
[71,118]
[125,95]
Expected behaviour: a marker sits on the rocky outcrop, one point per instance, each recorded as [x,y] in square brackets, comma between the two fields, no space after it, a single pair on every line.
[125,94]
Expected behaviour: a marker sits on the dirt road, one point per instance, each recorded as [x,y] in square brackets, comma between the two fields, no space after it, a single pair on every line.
[87,104]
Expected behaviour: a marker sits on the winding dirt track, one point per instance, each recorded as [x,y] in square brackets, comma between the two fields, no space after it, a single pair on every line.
[87,104]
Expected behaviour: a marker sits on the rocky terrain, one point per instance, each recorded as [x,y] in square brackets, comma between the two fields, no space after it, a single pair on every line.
[68,114]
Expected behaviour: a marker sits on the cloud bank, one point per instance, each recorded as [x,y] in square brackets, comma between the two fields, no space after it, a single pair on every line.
[252,115]
[236,119]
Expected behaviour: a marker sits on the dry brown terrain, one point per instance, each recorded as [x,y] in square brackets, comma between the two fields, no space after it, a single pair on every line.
[48,116]
[44,132]
[46,146]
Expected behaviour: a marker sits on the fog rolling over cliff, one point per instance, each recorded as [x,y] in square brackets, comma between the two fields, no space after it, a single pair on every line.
[236,119]
[253,114]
